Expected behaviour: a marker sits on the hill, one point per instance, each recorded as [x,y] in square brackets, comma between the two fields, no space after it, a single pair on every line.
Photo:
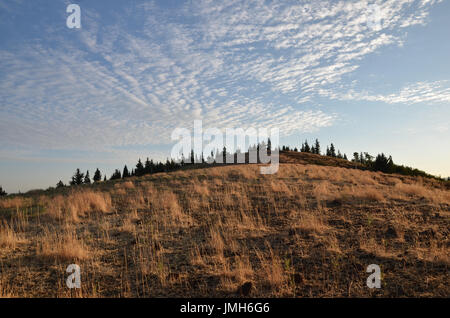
[308,231]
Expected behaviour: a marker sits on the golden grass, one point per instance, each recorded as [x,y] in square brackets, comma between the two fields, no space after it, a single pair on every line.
[205,233]
[16,203]
[77,204]
[8,237]
[64,246]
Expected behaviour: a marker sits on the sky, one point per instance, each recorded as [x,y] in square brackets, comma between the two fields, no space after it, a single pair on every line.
[366,75]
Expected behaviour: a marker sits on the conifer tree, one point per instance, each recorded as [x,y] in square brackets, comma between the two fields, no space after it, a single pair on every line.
[87,179]
[139,171]
[307,148]
[116,175]
[77,178]
[60,184]
[2,192]
[97,176]
[125,173]
[332,150]
[317,147]
[148,166]
[224,154]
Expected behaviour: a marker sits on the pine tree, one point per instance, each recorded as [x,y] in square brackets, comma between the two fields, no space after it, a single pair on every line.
[317,147]
[302,149]
[2,192]
[345,157]
[87,179]
[125,173]
[77,178]
[139,171]
[148,166]
[355,157]
[60,184]
[116,175]
[97,176]
[224,154]
[104,179]
[332,150]
[307,148]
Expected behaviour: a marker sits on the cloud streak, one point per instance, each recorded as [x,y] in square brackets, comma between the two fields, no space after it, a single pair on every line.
[130,79]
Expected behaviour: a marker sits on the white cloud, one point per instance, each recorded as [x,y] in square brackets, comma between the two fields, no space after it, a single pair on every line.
[231,63]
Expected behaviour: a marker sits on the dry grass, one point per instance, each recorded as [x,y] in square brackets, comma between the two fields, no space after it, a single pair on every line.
[306,231]
[8,237]
[77,204]
[64,246]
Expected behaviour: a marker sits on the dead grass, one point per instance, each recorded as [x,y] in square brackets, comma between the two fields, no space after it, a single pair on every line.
[64,246]
[77,204]
[308,231]
[8,237]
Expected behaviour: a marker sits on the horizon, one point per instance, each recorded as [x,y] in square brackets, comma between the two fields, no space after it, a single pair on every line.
[368,76]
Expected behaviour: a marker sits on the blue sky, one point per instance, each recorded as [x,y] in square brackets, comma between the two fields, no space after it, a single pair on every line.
[367,75]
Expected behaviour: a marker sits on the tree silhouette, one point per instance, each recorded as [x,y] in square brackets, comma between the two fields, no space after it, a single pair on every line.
[125,173]
[2,192]
[317,147]
[77,178]
[116,175]
[87,179]
[139,171]
[60,184]
[148,166]
[332,151]
[307,148]
[97,176]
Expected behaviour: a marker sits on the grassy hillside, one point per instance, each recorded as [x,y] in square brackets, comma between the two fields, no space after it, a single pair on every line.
[308,230]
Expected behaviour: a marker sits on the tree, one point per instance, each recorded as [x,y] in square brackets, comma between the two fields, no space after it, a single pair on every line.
[97,176]
[345,157]
[77,178]
[317,147]
[383,163]
[224,154]
[148,166]
[116,175]
[139,171]
[125,173]
[2,192]
[104,178]
[307,148]
[332,151]
[87,179]
[355,157]
[60,184]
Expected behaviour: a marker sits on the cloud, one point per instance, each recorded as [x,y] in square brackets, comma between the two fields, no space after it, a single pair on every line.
[131,78]
[421,92]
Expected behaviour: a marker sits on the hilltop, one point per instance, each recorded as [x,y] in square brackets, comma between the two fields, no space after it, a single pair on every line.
[308,231]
